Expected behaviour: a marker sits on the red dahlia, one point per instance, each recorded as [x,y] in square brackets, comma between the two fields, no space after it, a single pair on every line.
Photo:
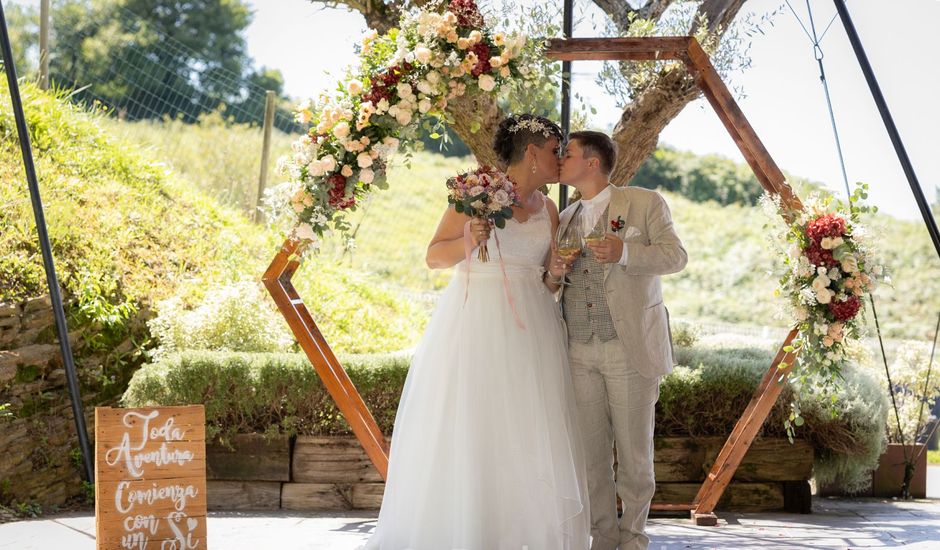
[483,56]
[819,256]
[843,311]
[829,225]
[337,192]
[467,12]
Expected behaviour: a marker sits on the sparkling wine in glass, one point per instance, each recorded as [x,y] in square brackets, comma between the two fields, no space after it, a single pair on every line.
[569,245]
[595,236]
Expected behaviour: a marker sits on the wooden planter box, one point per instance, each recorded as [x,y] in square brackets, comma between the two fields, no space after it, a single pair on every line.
[334,473]
[888,476]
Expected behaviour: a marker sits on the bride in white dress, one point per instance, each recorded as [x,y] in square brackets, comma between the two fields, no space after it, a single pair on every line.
[485,453]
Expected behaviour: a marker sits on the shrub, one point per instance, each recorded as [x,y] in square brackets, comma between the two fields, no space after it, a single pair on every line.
[270,393]
[281,393]
[235,317]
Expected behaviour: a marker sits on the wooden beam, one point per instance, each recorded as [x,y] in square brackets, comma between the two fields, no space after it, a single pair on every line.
[622,49]
[741,131]
[745,430]
[277,279]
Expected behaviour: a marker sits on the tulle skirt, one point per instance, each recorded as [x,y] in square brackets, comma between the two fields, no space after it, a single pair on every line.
[485,453]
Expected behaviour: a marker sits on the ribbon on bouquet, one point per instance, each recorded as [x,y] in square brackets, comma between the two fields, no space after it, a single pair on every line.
[468,249]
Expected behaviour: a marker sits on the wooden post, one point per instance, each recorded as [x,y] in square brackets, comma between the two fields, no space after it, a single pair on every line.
[270,99]
[277,279]
[44,45]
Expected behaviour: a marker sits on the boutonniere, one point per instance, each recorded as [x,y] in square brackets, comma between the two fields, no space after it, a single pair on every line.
[617,225]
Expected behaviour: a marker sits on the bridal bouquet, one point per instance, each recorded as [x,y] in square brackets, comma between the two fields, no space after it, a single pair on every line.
[483,193]
[829,268]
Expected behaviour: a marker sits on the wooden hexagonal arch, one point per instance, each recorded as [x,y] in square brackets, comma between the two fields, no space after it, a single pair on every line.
[686,49]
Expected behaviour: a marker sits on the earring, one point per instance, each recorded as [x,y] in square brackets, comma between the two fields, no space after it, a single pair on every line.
[534,167]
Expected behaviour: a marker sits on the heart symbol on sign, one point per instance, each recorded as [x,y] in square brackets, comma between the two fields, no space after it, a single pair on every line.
[191,523]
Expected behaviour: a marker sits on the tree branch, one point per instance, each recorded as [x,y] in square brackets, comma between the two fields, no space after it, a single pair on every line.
[637,132]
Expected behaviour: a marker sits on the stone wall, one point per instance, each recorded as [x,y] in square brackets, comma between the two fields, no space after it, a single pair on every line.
[40,461]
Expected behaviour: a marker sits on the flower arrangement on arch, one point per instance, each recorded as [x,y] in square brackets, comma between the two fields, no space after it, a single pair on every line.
[404,76]
[829,267]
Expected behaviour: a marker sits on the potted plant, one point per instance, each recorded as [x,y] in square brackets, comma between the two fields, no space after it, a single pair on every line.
[915,390]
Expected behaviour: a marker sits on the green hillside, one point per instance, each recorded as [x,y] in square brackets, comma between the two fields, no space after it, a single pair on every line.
[728,278]
[127,233]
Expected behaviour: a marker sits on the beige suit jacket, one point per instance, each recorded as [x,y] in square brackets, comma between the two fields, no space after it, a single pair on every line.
[634,293]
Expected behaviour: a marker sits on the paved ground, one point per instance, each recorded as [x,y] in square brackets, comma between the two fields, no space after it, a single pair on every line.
[835,523]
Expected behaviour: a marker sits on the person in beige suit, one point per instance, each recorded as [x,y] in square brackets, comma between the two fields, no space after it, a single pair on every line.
[619,343]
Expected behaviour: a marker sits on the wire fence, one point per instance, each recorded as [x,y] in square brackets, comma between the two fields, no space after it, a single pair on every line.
[175,113]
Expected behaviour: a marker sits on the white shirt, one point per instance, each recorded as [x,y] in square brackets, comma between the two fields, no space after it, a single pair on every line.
[591,210]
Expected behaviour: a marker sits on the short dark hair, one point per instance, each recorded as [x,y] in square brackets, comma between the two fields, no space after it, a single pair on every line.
[515,133]
[597,145]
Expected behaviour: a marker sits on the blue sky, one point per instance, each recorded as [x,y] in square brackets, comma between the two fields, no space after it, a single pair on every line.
[784,100]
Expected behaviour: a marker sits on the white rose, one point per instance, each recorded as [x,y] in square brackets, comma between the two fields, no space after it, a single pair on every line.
[824,297]
[404,90]
[476,190]
[425,87]
[315,168]
[391,142]
[305,232]
[328,163]
[504,72]
[423,54]
[800,314]
[341,130]
[347,170]
[364,160]
[475,37]
[502,198]
[486,83]
[424,105]
[433,77]
[820,283]
[354,87]
[403,117]
[826,243]
[366,175]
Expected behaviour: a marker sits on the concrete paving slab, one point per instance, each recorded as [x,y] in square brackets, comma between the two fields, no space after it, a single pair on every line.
[835,523]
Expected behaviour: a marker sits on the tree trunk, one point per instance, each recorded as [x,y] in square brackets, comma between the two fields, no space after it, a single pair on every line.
[637,132]
[477,108]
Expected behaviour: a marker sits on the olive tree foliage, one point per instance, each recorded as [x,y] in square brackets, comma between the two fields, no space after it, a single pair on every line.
[650,94]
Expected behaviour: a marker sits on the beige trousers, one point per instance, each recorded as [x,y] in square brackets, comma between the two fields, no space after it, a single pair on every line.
[615,406]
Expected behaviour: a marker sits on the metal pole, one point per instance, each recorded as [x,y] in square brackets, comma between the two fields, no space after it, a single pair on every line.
[567,27]
[270,99]
[61,327]
[44,44]
[922,203]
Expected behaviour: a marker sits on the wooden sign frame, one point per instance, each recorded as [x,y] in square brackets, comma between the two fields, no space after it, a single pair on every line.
[686,49]
[150,482]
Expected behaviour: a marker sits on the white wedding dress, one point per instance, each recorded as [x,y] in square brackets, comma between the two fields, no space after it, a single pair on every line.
[485,454]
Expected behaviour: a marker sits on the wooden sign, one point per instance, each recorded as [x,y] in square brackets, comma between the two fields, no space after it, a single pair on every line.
[150,488]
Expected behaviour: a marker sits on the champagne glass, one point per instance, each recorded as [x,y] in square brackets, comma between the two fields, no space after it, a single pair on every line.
[595,235]
[569,245]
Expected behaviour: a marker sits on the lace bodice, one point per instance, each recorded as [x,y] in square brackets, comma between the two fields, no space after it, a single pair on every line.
[520,243]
